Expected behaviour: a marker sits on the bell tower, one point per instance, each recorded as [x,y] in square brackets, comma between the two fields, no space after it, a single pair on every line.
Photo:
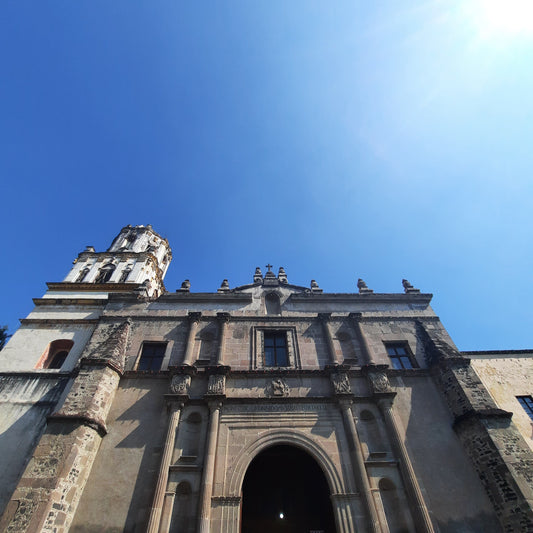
[138,258]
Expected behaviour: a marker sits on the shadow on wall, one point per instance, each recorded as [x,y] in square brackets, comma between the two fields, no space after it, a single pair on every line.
[22,424]
[439,460]
[149,437]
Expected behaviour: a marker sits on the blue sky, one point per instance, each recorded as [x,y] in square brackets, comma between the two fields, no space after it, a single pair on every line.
[379,140]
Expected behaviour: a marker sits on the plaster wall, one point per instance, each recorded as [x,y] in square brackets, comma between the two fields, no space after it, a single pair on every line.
[28,343]
[25,402]
[506,377]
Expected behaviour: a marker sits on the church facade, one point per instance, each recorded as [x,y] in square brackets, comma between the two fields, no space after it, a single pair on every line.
[263,407]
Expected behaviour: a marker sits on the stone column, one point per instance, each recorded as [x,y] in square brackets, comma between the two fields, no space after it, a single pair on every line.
[344,506]
[166,513]
[358,464]
[324,320]
[209,466]
[365,348]
[161,487]
[223,319]
[194,320]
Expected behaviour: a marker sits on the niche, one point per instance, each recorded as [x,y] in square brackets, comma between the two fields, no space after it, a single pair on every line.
[190,438]
[182,513]
[392,506]
[272,304]
[370,429]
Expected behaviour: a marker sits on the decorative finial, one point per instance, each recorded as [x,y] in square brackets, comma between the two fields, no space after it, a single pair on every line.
[185,286]
[258,276]
[269,275]
[282,276]
[315,288]
[363,287]
[408,288]
[224,287]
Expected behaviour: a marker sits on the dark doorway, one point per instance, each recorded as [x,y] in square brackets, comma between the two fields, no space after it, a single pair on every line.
[285,490]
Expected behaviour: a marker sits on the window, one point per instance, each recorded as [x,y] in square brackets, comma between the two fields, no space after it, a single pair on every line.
[55,354]
[399,356]
[58,359]
[275,348]
[105,273]
[152,356]
[527,403]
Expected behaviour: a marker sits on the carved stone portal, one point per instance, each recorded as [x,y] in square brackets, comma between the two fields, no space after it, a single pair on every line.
[180,384]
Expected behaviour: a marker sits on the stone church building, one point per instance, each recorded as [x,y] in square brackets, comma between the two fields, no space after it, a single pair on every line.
[260,408]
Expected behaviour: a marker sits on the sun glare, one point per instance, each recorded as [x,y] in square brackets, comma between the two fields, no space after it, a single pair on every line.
[509,17]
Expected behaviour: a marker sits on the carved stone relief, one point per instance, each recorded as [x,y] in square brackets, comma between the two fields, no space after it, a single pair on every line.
[217,384]
[341,383]
[380,382]
[278,387]
[180,384]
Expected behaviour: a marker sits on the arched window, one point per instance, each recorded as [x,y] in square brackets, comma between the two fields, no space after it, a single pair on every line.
[55,354]
[105,273]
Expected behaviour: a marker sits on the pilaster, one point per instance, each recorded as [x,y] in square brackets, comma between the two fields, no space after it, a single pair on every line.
[194,320]
[325,320]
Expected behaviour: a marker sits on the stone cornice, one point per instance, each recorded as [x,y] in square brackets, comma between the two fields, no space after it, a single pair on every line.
[63,286]
[38,374]
[206,297]
[482,414]
[498,353]
[95,302]
[57,321]
[316,298]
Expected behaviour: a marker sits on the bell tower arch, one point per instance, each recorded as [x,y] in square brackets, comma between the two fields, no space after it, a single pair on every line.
[137,258]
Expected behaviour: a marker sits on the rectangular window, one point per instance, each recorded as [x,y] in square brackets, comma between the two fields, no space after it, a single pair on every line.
[527,403]
[399,356]
[152,356]
[275,345]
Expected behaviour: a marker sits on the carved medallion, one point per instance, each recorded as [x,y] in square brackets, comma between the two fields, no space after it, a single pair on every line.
[180,384]
[380,382]
[278,387]
[216,385]
[341,383]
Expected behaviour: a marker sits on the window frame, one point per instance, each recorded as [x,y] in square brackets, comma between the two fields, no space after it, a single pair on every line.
[147,343]
[48,359]
[397,360]
[526,402]
[258,361]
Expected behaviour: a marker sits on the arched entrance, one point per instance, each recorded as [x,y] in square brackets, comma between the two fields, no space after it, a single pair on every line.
[285,490]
